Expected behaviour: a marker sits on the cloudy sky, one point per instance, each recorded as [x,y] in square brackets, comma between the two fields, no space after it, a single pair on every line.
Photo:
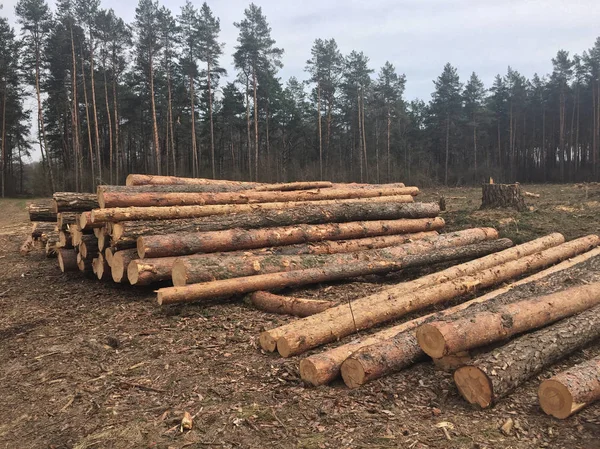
[417,36]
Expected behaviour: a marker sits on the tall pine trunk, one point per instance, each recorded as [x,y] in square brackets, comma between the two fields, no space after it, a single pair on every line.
[254,83]
[75,118]
[319,129]
[195,162]
[89,126]
[46,160]
[154,122]
[95,109]
[210,115]
[118,154]
[248,139]
[389,162]
[110,131]
[447,150]
[364,136]
[3,140]
[170,129]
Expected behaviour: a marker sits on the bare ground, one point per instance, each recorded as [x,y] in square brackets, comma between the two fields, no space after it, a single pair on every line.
[86,364]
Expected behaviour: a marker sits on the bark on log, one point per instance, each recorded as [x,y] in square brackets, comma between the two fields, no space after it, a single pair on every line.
[411,210]
[88,247]
[85,222]
[65,240]
[440,338]
[174,188]
[125,234]
[286,305]
[322,368]
[65,219]
[570,391]
[205,268]
[74,202]
[138,180]
[52,244]
[268,339]
[239,239]
[150,271]
[229,287]
[494,375]
[67,260]
[42,211]
[41,230]
[338,322]
[119,262]
[495,196]
[152,199]
[289,186]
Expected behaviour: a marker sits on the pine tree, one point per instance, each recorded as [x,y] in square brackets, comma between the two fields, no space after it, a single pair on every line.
[474,101]
[36,21]
[254,54]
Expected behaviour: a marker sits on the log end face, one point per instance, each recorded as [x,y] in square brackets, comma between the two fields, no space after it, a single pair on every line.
[474,385]
[309,373]
[141,249]
[101,201]
[285,348]
[179,276]
[353,373]
[431,341]
[555,399]
[266,340]
[133,273]
[117,268]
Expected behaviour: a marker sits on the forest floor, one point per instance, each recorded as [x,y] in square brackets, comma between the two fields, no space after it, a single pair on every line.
[85,364]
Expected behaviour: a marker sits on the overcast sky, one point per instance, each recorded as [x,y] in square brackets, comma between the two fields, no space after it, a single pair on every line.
[417,36]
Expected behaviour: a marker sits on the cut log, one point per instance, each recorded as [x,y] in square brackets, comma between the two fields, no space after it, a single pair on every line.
[125,234]
[103,238]
[495,196]
[570,391]
[151,199]
[268,339]
[42,211]
[84,265]
[440,338]
[150,271]
[174,188]
[41,230]
[286,187]
[239,239]
[322,368]
[88,248]
[531,195]
[74,202]
[285,305]
[67,260]
[413,210]
[229,287]
[337,322]
[27,246]
[139,180]
[205,268]
[65,240]
[52,244]
[108,255]
[119,262]
[450,363]
[65,219]
[102,269]
[85,222]
[494,375]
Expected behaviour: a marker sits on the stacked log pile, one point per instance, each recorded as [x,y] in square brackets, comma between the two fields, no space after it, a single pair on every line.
[198,240]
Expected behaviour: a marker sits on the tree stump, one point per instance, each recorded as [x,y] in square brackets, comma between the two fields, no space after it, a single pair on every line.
[496,196]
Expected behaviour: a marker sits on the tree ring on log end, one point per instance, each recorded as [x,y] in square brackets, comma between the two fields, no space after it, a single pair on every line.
[431,341]
[133,273]
[474,385]
[555,399]
[268,343]
[353,373]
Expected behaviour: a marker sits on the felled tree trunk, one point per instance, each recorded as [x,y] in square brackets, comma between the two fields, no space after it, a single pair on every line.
[119,262]
[237,239]
[286,305]
[268,339]
[150,271]
[204,268]
[494,375]
[324,367]
[570,391]
[445,337]
[125,234]
[74,202]
[42,211]
[367,312]
[497,196]
[409,209]
[65,219]
[67,260]
[42,229]
[137,180]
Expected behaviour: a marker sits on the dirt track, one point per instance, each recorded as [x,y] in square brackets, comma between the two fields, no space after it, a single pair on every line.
[87,364]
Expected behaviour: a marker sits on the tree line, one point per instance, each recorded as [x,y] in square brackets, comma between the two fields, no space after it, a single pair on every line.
[151,96]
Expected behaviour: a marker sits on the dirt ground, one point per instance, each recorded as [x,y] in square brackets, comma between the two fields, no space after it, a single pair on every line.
[85,364]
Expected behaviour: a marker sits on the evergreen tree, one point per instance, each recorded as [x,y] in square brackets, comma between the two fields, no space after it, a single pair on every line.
[474,102]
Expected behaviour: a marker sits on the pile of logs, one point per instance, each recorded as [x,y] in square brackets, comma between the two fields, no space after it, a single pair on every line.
[198,240]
